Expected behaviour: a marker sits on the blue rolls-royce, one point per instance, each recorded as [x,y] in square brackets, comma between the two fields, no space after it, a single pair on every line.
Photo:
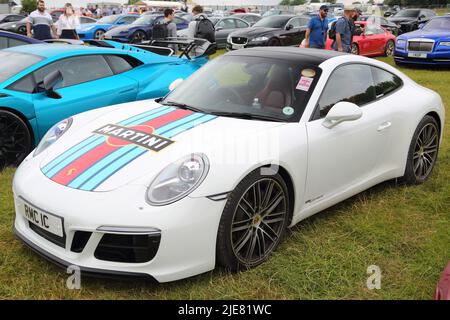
[430,45]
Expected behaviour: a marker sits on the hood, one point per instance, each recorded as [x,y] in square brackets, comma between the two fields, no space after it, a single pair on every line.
[429,34]
[136,142]
[253,32]
[401,19]
[88,26]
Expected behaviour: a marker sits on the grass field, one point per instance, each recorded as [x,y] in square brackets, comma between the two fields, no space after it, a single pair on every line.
[403,230]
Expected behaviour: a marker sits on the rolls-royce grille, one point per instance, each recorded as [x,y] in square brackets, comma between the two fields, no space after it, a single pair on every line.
[420,46]
[239,40]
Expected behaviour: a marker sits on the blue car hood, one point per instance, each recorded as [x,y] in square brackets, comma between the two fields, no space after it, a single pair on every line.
[431,34]
[86,26]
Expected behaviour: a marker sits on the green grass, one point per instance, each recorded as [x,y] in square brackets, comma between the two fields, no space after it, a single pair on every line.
[403,230]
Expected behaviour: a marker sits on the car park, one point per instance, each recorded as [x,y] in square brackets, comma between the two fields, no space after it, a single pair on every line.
[374,41]
[116,190]
[100,27]
[141,29]
[410,19]
[74,79]
[430,45]
[277,30]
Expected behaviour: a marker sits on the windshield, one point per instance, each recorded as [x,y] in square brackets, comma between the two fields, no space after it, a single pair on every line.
[255,87]
[438,24]
[17,62]
[147,19]
[272,22]
[108,19]
[408,14]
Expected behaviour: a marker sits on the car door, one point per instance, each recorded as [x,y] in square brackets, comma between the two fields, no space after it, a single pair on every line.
[370,40]
[89,82]
[293,33]
[345,156]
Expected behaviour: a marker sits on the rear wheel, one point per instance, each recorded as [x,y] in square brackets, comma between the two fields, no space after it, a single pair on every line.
[389,48]
[138,37]
[99,34]
[22,30]
[253,222]
[15,139]
[354,49]
[274,43]
[423,151]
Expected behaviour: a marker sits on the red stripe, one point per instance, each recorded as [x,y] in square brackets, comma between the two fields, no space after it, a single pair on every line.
[78,166]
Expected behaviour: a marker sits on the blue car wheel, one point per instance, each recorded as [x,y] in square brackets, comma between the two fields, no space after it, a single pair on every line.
[99,34]
[15,139]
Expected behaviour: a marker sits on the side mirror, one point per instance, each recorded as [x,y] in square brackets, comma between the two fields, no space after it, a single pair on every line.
[340,112]
[219,28]
[50,82]
[289,27]
[422,17]
[175,84]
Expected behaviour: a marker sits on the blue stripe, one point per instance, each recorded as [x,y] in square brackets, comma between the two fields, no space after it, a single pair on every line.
[66,158]
[98,177]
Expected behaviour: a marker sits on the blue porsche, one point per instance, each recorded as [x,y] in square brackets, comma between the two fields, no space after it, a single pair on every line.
[429,45]
[141,29]
[42,84]
[96,30]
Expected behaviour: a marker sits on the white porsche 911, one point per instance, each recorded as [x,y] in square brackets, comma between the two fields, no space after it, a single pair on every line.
[215,172]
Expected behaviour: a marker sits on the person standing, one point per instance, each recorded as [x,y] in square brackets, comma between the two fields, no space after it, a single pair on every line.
[41,22]
[169,18]
[316,32]
[197,13]
[67,24]
[344,31]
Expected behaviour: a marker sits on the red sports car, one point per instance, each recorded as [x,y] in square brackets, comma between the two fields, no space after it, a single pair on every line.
[373,41]
[443,287]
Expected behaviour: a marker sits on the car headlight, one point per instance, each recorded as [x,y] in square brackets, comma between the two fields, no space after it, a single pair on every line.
[14,25]
[444,43]
[178,179]
[260,39]
[401,43]
[52,135]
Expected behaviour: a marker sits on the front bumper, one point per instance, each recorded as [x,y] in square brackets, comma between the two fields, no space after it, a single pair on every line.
[433,58]
[249,44]
[188,227]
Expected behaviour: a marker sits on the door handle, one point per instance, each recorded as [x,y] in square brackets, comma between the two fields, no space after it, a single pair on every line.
[384,126]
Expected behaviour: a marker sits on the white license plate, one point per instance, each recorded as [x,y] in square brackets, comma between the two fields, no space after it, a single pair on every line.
[42,219]
[237,46]
[417,55]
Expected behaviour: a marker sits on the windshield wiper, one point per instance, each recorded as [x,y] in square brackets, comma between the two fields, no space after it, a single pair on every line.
[181,106]
[243,115]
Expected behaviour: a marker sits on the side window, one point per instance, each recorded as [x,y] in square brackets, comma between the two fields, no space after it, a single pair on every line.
[350,83]
[26,84]
[226,24]
[385,82]
[127,20]
[120,64]
[3,43]
[295,23]
[77,70]
[241,24]
[15,18]
[14,43]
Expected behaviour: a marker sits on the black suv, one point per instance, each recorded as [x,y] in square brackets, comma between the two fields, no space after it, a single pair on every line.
[410,19]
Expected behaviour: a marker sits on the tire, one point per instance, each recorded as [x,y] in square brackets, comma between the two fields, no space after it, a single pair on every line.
[354,49]
[15,139]
[422,152]
[246,238]
[99,34]
[389,49]
[274,42]
[22,30]
[138,37]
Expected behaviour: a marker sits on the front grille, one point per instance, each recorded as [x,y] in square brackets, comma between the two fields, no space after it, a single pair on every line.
[59,241]
[128,248]
[420,46]
[238,40]
[80,239]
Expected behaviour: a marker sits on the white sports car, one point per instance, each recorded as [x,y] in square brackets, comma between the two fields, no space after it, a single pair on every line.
[214,173]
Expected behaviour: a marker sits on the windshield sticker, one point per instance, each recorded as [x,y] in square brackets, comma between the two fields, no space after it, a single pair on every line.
[304,84]
[289,111]
[310,73]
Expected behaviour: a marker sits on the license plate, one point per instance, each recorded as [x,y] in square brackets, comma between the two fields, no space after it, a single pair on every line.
[417,55]
[237,46]
[43,220]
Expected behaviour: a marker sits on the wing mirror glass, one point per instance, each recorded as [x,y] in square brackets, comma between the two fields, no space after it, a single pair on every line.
[340,112]
[51,81]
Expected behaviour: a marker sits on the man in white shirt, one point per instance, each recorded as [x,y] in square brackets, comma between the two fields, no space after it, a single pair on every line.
[41,22]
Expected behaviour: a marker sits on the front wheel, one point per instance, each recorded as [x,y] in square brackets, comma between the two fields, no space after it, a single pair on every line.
[354,49]
[389,48]
[253,222]
[423,151]
[15,139]
[98,35]
[138,37]
[274,43]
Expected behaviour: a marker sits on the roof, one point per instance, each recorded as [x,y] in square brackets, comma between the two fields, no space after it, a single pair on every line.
[18,37]
[312,56]
[53,50]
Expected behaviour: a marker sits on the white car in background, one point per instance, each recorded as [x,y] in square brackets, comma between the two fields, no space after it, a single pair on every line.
[214,173]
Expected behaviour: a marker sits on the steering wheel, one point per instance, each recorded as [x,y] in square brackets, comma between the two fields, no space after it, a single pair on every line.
[234,92]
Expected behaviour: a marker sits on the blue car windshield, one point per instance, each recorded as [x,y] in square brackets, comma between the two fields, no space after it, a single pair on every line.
[438,24]
[17,62]
[108,19]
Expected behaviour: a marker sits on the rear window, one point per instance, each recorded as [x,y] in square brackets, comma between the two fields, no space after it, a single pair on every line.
[17,62]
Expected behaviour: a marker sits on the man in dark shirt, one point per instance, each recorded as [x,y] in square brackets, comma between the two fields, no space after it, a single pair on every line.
[317,28]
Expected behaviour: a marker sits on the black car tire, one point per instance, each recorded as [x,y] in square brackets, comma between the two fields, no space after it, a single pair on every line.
[253,223]
[274,42]
[22,30]
[354,49]
[16,140]
[138,37]
[99,34]
[423,151]
[389,48]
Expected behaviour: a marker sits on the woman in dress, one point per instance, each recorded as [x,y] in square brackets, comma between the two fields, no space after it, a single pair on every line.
[67,24]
